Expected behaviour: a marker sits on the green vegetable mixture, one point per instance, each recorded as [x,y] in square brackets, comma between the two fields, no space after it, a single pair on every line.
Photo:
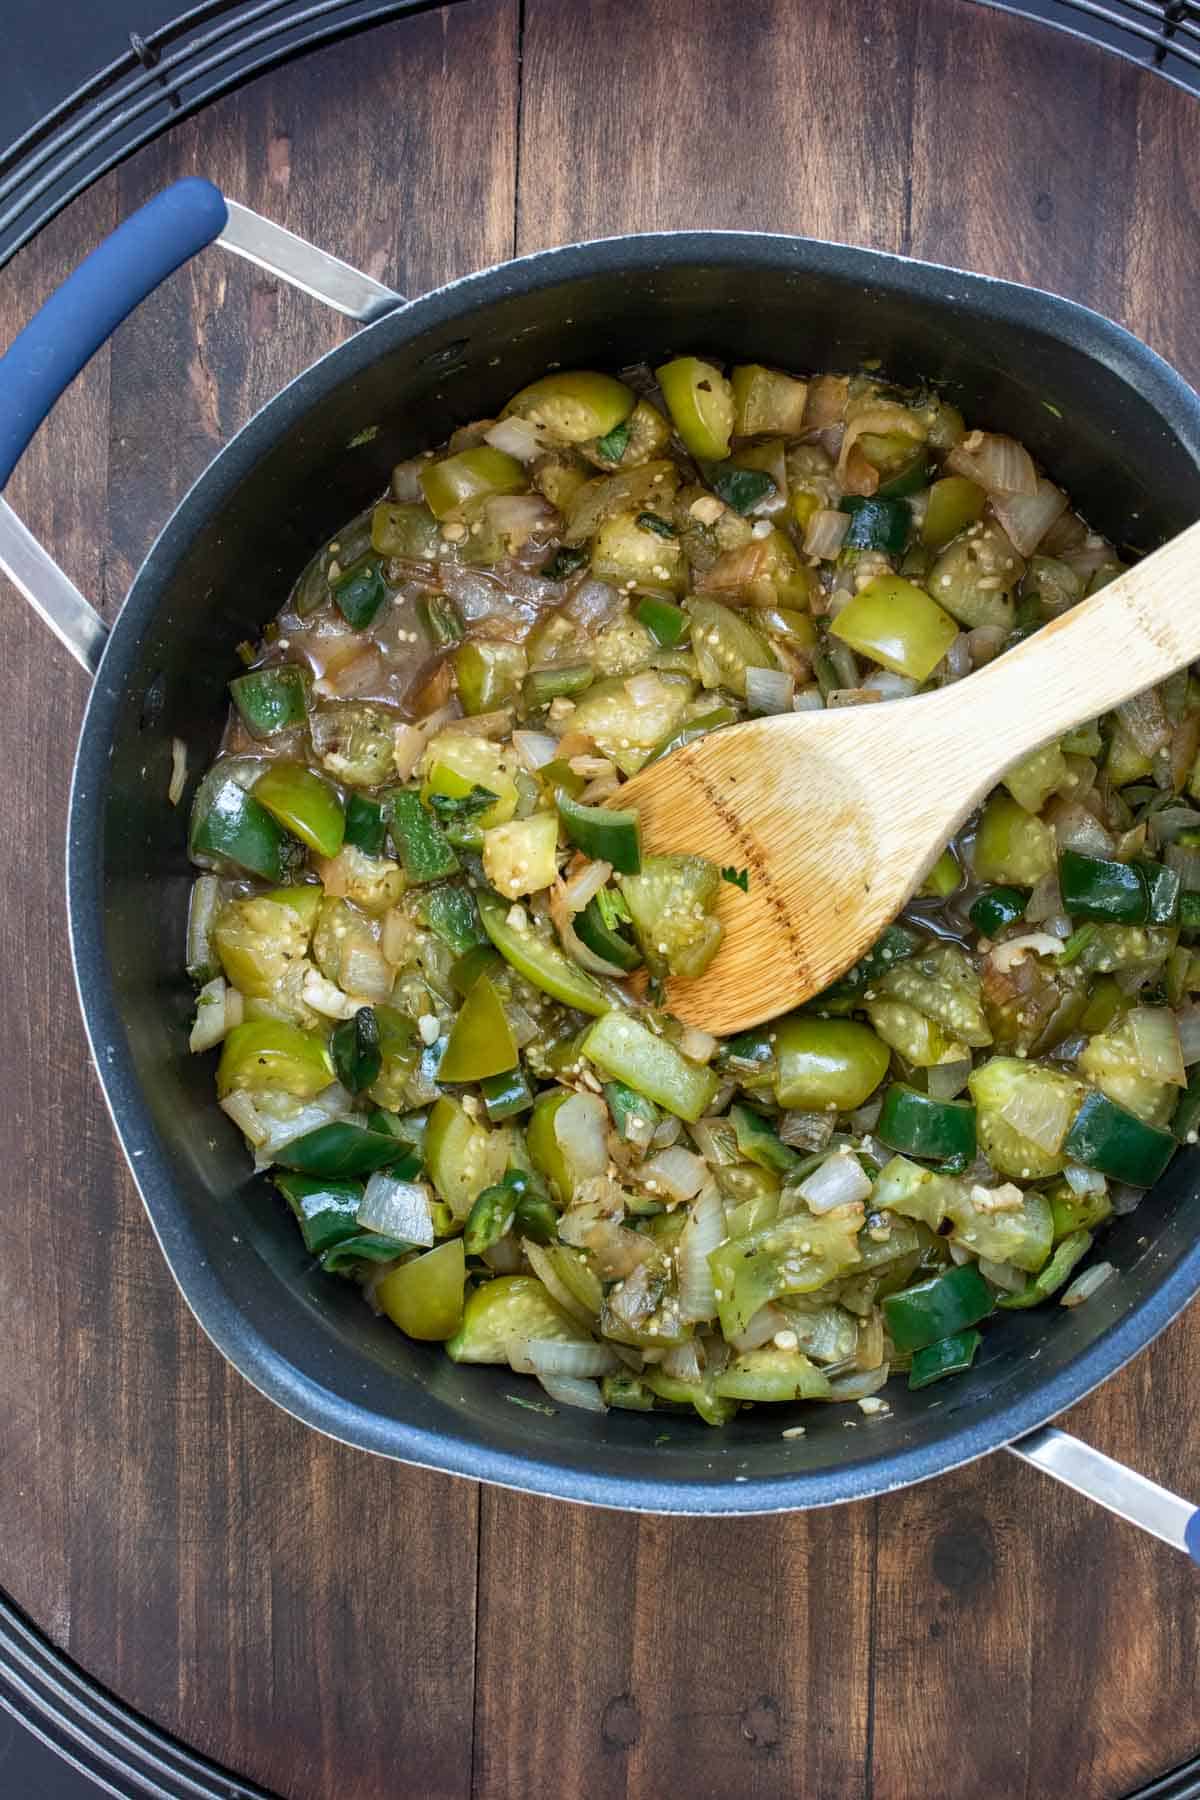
[429,949]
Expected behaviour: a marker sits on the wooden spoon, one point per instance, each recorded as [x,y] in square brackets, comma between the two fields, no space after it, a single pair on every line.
[839,815]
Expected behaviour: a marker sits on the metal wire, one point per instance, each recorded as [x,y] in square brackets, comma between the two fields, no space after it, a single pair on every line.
[218,44]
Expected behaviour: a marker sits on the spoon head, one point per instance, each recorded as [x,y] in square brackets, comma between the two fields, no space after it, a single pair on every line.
[831,844]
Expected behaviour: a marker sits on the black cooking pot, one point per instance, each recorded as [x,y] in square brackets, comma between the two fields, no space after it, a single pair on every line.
[1106,416]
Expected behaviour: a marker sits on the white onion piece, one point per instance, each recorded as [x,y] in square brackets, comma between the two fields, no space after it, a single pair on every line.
[841,1180]
[593,603]
[178,771]
[542,1264]
[809,700]
[1045,900]
[806,1130]
[667,1132]
[572,943]
[518,517]
[534,749]
[866,1117]
[1084,1181]
[890,686]
[825,533]
[958,658]
[1125,1199]
[1015,950]
[516,437]
[397,936]
[646,689]
[1188,1019]
[504,1256]
[1003,1275]
[406,749]
[676,1172]
[367,973]
[703,1232]
[1185,860]
[211,1022]
[769,691]
[682,1361]
[1041,1113]
[1156,1042]
[570,1392]
[959,1253]
[860,1385]
[202,913]
[761,1328]
[1028,517]
[985,643]
[241,1109]
[542,1356]
[878,418]
[1087,1284]
[698,1046]
[600,789]
[1145,719]
[947,1080]
[585,885]
[998,463]
[398,1209]
[1075,828]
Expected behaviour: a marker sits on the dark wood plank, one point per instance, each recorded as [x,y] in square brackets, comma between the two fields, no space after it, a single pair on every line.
[295,1609]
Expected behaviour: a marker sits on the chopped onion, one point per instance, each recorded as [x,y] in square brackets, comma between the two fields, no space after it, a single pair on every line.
[1028,517]
[600,789]
[769,690]
[948,1079]
[1156,1042]
[202,913]
[569,1392]
[212,1019]
[761,1328]
[1045,900]
[519,517]
[1042,1113]
[883,682]
[1002,1274]
[646,689]
[572,943]
[584,885]
[806,1130]
[1145,719]
[1188,1021]
[397,936]
[407,747]
[682,1361]
[878,418]
[1075,828]
[809,700]
[543,1356]
[676,1172]
[841,1180]
[581,1127]
[957,659]
[667,1132]
[1087,1284]
[593,603]
[534,749]
[542,1264]
[1084,1181]
[1125,1199]
[241,1109]
[406,479]
[1014,950]
[871,1345]
[504,1256]
[398,1209]
[516,437]
[999,464]
[485,725]
[825,533]
[1185,860]
[698,1046]
[860,1385]
[294,1120]
[866,1117]
[178,771]
[985,643]
[1173,820]
[366,972]
[703,1232]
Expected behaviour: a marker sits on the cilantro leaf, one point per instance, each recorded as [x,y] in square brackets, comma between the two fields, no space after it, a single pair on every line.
[739,878]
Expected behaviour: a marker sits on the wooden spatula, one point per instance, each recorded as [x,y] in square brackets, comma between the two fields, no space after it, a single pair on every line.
[839,815]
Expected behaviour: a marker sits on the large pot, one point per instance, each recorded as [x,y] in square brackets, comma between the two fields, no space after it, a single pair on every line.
[1109,419]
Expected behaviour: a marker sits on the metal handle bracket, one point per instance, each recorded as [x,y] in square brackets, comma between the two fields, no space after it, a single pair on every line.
[1110,1484]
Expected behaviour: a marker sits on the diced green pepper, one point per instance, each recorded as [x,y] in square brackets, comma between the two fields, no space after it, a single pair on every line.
[997,908]
[506,1095]
[424,1297]
[271,1054]
[272,700]
[354,1045]
[1070,1251]
[304,803]
[667,623]
[920,1126]
[365,826]
[909,478]
[827,1065]
[608,941]
[954,503]
[759,1144]
[739,487]
[490,1218]
[938,1308]
[451,914]
[347,1257]
[340,1149]
[877,525]
[1105,1136]
[896,624]
[635,1117]
[540,961]
[575,405]
[626,1391]
[326,1211]
[565,680]
[687,734]
[230,824]
[629,1051]
[700,402]
[481,1042]
[441,619]
[605,834]
[360,593]
[1134,893]
[421,845]
[471,475]
[949,1356]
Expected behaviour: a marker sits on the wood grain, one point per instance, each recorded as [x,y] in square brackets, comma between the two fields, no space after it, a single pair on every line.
[306,1613]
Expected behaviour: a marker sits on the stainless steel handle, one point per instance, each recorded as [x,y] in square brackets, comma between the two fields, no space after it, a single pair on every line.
[1110,1484]
[31,568]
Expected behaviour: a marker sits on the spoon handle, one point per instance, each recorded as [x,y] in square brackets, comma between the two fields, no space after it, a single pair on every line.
[1133,633]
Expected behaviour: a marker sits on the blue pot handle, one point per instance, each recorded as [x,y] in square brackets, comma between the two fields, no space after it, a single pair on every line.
[77,318]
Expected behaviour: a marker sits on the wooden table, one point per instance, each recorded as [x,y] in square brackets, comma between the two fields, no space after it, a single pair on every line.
[332,1625]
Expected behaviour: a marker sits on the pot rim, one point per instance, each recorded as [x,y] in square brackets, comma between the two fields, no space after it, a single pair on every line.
[225,1324]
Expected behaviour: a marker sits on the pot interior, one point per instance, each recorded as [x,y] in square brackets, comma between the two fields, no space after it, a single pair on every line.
[1107,420]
